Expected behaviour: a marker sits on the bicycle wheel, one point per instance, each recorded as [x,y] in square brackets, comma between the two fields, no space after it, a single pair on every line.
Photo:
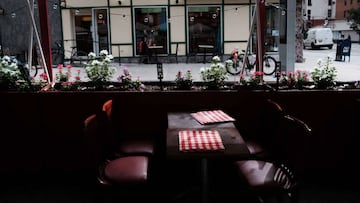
[57,57]
[79,59]
[33,71]
[269,65]
[234,69]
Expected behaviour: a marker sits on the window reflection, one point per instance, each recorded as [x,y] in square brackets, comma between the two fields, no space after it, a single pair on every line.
[204,28]
[151,29]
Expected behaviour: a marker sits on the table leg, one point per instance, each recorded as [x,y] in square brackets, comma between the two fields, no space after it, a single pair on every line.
[204,171]
[204,60]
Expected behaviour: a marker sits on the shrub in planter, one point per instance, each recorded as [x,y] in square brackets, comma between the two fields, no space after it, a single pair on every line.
[184,81]
[292,80]
[324,74]
[252,82]
[9,73]
[215,75]
[127,83]
[99,69]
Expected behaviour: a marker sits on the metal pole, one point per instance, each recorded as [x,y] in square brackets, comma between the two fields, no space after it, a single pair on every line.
[31,41]
[249,38]
[259,37]
[38,41]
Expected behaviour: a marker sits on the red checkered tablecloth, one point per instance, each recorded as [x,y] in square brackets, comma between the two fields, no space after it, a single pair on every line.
[200,140]
[214,116]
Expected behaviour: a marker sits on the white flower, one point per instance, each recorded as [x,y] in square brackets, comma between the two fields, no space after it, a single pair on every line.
[9,72]
[92,55]
[95,63]
[111,57]
[6,59]
[107,60]
[104,53]
[100,70]
[216,59]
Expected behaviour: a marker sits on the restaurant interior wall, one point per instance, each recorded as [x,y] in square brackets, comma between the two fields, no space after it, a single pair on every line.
[58,143]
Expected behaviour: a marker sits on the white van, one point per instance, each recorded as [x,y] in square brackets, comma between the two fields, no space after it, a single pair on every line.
[318,37]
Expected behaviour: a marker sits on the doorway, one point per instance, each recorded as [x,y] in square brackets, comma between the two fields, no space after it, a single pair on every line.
[101,30]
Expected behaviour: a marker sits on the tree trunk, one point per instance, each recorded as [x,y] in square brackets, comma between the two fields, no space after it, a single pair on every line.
[299,33]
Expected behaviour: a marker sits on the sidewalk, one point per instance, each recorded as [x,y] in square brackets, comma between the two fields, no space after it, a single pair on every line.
[347,71]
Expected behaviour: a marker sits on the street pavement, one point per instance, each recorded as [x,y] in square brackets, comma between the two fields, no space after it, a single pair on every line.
[348,70]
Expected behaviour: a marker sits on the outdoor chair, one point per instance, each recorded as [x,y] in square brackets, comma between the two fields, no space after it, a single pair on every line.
[268,119]
[176,53]
[278,175]
[144,52]
[119,178]
[127,146]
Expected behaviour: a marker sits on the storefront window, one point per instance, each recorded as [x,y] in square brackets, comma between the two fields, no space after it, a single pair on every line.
[204,28]
[91,30]
[151,28]
[83,21]
[101,30]
[272,29]
[271,43]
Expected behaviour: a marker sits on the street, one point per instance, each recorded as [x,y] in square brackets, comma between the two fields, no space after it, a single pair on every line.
[349,70]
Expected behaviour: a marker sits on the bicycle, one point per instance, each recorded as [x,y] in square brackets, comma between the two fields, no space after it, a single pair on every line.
[77,58]
[269,65]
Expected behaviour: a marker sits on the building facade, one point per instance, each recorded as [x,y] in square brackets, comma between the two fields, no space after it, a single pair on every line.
[332,14]
[16,31]
[341,26]
[123,26]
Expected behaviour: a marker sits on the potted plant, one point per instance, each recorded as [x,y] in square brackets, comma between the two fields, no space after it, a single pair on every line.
[127,83]
[324,74]
[215,75]
[184,81]
[62,76]
[251,82]
[9,73]
[292,80]
[99,69]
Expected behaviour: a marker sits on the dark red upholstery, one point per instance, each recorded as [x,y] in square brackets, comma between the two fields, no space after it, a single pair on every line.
[278,174]
[130,170]
[129,146]
[125,173]
[137,147]
[260,143]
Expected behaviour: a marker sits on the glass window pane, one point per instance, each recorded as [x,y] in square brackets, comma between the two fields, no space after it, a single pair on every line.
[204,28]
[151,28]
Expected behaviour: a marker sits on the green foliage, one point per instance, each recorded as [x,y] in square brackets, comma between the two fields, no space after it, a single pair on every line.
[128,83]
[215,75]
[354,18]
[253,81]
[61,75]
[324,74]
[294,80]
[184,81]
[9,73]
[100,70]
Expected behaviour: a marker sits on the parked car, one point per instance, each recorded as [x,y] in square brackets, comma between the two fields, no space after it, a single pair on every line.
[318,37]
